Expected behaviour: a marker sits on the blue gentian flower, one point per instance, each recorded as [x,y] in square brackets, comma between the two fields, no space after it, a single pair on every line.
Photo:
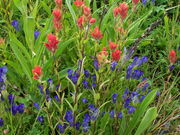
[120,115]
[20,108]
[127,102]
[15,24]
[112,113]
[128,74]
[69,117]
[96,64]
[36,34]
[145,86]
[84,100]
[14,109]
[91,107]
[86,121]
[93,77]
[144,2]
[113,65]
[95,114]
[11,98]
[74,79]
[78,124]
[114,97]
[57,98]
[86,73]
[70,72]
[141,98]
[158,93]
[85,84]
[1,122]
[131,109]
[94,85]
[126,92]
[41,89]
[40,119]
[37,106]
[171,67]
[61,128]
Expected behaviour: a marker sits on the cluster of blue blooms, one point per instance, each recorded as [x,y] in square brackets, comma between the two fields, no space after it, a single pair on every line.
[14,107]
[3,71]
[135,74]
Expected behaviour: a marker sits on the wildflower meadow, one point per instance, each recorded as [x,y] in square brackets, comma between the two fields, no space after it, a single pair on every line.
[89,67]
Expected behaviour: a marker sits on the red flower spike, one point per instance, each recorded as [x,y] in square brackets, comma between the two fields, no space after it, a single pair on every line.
[135,1]
[37,72]
[116,11]
[112,45]
[96,33]
[78,3]
[104,49]
[123,10]
[52,43]
[80,21]
[57,14]
[172,56]
[116,55]
[86,11]
[59,3]
[92,20]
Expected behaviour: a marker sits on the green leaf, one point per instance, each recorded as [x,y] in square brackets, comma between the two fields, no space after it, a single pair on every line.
[22,60]
[29,26]
[140,111]
[104,121]
[71,11]
[35,10]
[150,115]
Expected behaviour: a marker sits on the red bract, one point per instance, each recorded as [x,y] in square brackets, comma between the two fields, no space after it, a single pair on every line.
[172,56]
[80,21]
[57,14]
[37,71]
[59,3]
[52,43]
[116,11]
[112,45]
[116,55]
[123,10]
[86,11]
[135,1]
[92,20]
[96,33]
[78,3]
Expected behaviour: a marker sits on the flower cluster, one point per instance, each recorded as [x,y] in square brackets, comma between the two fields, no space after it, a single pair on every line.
[122,10]
[57,13]
[14,107]
[52,44]
[1,122]
[135,74]
[92,78]
[73,76]
[37,72]
[96,33]
[86,18]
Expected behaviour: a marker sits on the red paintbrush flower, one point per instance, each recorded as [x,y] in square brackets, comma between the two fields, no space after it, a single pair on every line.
[116,55]
[96,33]
[52,43]
[78,3]
[59,3]
[116,11]
[86,11]
[112,45]
[80,21]
[57,14]
[135,1]
[123,10]
[172,56]
[92,20]
[37,72]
